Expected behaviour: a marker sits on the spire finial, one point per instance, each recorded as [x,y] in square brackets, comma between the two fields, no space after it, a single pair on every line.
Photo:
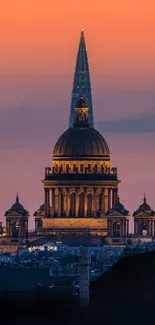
[144,197]
[17,198]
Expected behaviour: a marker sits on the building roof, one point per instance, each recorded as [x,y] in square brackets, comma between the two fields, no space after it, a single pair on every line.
[145,208]
[118,207]
[40,211]
[81,142]
[17,208]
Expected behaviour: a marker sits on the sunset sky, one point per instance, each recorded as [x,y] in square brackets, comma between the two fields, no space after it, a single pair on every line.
[39,41]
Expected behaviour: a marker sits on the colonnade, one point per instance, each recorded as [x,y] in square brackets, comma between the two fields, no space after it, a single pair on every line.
[142,224]
[74,202]
[118,228]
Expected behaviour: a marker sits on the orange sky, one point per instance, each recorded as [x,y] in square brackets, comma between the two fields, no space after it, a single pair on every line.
[38,47]
[35,34]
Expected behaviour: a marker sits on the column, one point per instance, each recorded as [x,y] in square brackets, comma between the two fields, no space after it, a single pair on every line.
[111,228]
[25,229]
[127,228]
[106,199]
[46,202]
[67,203]
[109,198]
[95,203]
[152,227]
[8,228]
[77,204]
[20,225]
[53,201]
[98,210]
[138,228]
[149,230]
[113,196]
[122,229]
[48,205]
[85,202]
[56,202]
[103,202]
[135,227]
[59,203]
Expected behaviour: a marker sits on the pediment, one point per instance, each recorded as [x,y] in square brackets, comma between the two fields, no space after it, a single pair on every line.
[115,214]
[40,214]
[142,214]
[14,214]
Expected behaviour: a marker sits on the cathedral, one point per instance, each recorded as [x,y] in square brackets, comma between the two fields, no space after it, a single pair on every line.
[81,199]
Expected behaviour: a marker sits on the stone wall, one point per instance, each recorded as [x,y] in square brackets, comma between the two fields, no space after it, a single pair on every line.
[74,223]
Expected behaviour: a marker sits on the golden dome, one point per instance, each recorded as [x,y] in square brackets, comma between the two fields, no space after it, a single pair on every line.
[81,143]
[81,147]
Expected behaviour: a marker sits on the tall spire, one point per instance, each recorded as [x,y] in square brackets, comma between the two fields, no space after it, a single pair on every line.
[81,85]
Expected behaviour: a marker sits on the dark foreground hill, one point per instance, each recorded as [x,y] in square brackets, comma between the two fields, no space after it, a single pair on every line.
[126,292]
[123,295]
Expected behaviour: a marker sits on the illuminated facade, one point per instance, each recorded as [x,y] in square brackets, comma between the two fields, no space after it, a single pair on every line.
[80,186]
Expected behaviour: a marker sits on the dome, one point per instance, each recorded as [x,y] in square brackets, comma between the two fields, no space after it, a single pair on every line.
[119,207]
[144,206]
[81,142]
[17,207]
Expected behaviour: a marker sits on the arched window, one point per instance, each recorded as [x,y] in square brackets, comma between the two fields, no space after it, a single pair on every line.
[72,204]
[81,205]
[89,205]
[116,229]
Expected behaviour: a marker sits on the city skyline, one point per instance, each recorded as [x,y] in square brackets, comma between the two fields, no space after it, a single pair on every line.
[36,81]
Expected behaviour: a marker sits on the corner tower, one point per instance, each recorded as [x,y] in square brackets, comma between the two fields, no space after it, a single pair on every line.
[144,220]
[17,220]
[81,84]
